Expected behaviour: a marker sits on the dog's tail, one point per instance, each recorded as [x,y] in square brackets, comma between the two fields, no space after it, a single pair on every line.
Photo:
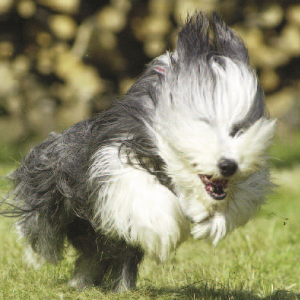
[40,197]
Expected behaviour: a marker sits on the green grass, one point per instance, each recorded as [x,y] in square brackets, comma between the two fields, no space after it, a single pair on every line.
[285,150]
[259,261]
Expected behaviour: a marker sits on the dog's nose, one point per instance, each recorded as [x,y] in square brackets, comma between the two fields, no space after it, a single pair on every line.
[227,166]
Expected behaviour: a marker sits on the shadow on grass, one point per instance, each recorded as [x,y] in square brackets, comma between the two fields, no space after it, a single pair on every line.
[207,293]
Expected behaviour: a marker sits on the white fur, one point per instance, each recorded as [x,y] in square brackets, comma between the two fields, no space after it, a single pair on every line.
[32,258]
[134,206]
[191,135]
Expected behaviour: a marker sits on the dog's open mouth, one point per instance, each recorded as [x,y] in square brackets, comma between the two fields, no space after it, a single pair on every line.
[214,188]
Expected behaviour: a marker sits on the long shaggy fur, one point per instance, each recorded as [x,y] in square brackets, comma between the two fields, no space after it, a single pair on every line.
[183,153]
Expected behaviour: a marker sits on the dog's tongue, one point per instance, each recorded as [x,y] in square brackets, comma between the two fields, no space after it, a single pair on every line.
[215,188]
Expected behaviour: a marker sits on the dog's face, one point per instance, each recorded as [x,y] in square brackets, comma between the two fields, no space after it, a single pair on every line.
[213,135]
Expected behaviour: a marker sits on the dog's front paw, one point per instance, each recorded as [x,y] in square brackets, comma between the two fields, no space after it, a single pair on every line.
[213,228]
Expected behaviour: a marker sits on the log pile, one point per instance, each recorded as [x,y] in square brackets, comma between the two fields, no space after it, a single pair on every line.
[63,60]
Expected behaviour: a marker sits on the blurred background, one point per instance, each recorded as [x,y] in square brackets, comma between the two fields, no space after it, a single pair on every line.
[64,60]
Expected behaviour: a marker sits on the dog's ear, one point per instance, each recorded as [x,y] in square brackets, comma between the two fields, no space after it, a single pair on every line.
[193,39]
[227,42]
[162,64]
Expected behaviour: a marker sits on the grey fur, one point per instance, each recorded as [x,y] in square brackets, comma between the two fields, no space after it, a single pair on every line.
[227,41]
[193,39]
[257,111]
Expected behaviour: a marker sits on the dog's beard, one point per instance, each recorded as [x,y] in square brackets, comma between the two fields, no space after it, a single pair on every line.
[215,219]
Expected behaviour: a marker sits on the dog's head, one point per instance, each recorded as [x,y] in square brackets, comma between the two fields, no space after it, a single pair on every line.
[211,126]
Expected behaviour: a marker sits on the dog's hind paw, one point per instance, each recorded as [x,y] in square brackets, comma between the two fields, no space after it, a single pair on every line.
[78,282]
[33,259]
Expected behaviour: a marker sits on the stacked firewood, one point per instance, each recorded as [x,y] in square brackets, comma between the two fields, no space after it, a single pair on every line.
[63,60]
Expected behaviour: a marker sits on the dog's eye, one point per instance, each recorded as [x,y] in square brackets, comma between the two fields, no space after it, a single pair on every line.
[237,131]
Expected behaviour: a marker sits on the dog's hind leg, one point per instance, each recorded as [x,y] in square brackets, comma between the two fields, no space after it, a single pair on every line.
[129,271]
[120,273]
[90,266]
[89,270]
[101,256]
